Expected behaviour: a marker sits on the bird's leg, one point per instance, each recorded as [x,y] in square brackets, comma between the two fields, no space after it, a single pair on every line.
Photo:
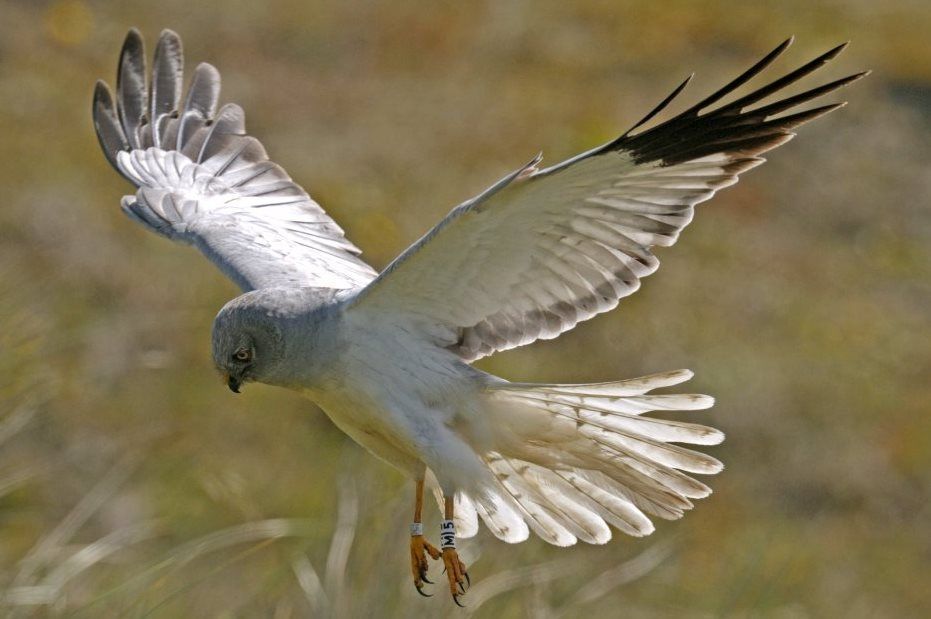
[420,547]
[455,569]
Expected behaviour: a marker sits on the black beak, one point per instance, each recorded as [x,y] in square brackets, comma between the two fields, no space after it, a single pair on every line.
[233,383]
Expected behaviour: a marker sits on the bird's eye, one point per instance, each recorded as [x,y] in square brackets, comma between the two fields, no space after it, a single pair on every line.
[243,354]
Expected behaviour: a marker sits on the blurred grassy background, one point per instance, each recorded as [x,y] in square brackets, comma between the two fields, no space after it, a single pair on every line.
[132,483]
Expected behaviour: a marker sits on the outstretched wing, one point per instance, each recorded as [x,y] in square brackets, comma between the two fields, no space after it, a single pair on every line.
[202,180]
[544,249]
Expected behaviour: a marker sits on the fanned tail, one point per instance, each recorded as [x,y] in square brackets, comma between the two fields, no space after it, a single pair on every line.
[573,459]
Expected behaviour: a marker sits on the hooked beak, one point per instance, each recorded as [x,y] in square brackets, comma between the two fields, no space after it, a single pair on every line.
[233,383]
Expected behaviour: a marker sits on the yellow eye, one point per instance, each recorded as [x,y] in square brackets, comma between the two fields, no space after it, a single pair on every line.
[243,354]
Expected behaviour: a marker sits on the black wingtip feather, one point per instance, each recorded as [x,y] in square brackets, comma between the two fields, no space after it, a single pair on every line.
[729,128]
[741,79]
[662,104]
[793,121]
[808,95]
[784,81]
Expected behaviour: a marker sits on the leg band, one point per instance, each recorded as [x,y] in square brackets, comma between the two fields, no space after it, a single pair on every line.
[416,529]
[447,534]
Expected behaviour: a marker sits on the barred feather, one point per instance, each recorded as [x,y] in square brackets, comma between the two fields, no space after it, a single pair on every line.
[576,458]
[202,180]
[544,249]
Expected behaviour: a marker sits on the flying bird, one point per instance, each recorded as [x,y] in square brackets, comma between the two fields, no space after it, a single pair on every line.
[388,355]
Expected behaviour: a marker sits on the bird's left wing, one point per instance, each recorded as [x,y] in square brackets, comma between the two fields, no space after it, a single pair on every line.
[203,181]
[544,249]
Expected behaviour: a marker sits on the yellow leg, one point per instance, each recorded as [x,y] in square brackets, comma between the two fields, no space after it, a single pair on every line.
[455,569]
[420,547]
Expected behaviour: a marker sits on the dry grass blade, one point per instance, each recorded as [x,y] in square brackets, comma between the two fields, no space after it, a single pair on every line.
[16,421]
[508,580]
[310,584]
[347,517]
[263,532]
[51,543]
[12,481]
[49,590]
[625,573]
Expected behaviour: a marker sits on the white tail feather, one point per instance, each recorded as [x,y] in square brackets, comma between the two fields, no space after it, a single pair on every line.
[529,502]
[501,518]
[465,516]
[582,521]
[572,459]
[615,510]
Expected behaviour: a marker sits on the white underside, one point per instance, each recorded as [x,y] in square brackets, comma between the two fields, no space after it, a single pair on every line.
[564,461]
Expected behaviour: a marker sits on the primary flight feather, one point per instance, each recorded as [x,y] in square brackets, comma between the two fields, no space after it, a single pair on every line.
[387,355]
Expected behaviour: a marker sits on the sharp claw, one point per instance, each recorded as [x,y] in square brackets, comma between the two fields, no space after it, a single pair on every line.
[420,591]
[461,588]
[456,600]
[423,577]
[468,580]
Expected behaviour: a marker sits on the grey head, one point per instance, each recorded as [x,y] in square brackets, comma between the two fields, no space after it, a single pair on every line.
[254,333]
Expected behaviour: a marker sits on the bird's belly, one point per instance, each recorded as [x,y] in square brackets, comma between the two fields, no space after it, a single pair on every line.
[369,426]
[402,407]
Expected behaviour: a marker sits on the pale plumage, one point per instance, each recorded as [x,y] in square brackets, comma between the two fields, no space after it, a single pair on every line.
[545,249]
[387,356]
[202,180]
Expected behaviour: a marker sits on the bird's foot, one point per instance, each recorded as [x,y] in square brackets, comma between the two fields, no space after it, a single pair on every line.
[420,548]
[459,581]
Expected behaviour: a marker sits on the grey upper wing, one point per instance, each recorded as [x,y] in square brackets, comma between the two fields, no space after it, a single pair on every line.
[545,249]
[202,180]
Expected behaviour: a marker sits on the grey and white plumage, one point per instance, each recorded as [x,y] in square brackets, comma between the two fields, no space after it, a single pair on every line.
[387,355]
[202,180]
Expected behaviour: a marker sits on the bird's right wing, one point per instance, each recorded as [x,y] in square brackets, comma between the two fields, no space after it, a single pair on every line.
[203,181]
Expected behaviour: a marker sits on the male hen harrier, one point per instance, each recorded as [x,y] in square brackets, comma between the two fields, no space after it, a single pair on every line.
[387,355]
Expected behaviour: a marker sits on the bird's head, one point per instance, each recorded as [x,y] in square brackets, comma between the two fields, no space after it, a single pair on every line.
[247,342]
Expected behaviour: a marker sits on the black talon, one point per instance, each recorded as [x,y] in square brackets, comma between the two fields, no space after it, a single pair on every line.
[456,600]
[461,588]
[468,580]
[420,591]
[423,577]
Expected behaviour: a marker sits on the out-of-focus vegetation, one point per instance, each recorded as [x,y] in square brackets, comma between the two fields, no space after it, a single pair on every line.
[132,483]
